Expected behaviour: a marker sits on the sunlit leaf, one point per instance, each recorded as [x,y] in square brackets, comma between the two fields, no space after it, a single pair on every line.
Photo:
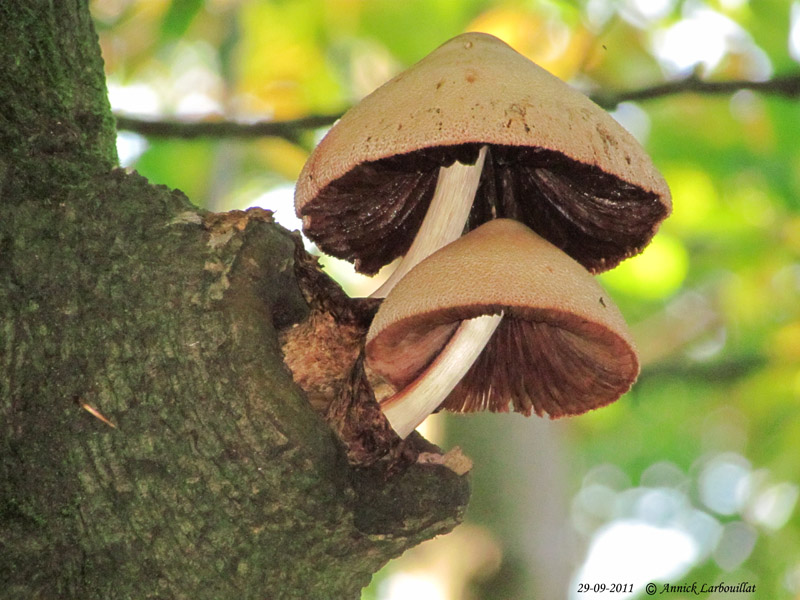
[544,37]
[432,22]
[282,157]
[179,16]
[656,273]
[177,164]
[785,343]
[695,201]
[282,68]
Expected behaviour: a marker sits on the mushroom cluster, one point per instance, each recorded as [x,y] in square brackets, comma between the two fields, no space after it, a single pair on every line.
[504,190]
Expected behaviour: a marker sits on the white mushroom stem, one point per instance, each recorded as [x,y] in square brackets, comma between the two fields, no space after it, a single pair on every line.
[409,407]
[444,222]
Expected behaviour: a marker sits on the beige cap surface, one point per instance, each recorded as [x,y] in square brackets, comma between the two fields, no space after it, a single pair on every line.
[366,186]
[562,348]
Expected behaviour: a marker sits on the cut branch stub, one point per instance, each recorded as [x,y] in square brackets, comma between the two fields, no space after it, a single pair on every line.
[555,161]
[562,347]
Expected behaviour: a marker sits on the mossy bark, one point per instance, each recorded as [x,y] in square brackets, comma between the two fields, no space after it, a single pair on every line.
[217,479]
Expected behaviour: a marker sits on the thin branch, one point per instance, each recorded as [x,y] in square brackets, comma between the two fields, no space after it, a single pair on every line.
[730,368]
[223,129]
[787,86]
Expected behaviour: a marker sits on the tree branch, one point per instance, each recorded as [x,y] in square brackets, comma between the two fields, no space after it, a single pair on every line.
[787,86]
[223,129]
[218,480]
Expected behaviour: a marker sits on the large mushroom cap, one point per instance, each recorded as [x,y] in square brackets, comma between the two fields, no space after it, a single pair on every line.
[562,347]
[558,162]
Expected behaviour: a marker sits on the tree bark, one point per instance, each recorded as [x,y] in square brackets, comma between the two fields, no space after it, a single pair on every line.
[154,444]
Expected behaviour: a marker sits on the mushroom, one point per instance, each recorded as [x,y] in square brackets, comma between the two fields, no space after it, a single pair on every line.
[499,317]
[476,120]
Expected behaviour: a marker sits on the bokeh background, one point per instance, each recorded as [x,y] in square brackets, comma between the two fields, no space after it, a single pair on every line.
[692,476]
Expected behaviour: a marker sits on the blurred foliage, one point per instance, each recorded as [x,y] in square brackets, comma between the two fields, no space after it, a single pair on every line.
[714,301]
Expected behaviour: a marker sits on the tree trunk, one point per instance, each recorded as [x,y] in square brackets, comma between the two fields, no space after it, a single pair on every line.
[154,444]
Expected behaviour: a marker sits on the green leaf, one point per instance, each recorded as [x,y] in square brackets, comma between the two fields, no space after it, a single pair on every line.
[178,17]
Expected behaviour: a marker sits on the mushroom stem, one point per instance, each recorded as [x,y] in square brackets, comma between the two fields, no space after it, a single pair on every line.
[444,222]
[409,407]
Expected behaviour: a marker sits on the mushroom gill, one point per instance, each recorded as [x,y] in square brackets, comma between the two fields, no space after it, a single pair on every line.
[596,218]
[542,367]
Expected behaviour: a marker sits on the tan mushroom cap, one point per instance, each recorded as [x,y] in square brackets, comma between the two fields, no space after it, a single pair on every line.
[562,348]
[474,89]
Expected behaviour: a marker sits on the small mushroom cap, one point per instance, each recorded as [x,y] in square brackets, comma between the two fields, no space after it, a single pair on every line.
[563,347]
[557,161]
